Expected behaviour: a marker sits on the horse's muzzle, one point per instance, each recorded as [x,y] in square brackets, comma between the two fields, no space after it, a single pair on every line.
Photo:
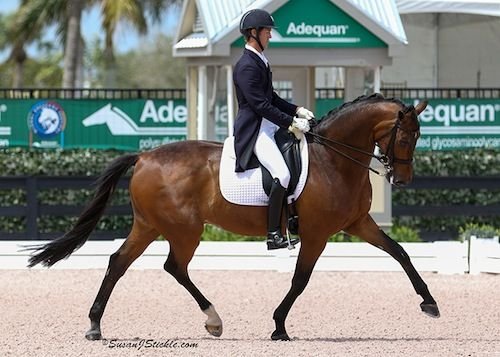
[397,181]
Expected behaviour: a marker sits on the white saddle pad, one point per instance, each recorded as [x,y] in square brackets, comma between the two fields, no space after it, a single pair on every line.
[245,188]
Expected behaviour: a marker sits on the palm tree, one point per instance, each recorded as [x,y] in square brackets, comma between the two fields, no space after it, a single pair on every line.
[16,41]
[38,14]
[131,11]
[73,50]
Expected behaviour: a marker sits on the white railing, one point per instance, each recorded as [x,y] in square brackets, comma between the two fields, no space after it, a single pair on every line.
[450,257]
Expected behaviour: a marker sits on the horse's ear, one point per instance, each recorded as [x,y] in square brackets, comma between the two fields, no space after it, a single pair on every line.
[401,115]
[421,107]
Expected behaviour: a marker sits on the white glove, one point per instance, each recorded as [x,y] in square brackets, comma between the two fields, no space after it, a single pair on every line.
[300,124]
[304,113]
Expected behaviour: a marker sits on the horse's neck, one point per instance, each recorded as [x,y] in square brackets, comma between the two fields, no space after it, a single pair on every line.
[353,130]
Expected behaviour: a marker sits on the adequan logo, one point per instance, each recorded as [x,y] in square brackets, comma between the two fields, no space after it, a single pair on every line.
[316,30]
[458,118]
[120,123]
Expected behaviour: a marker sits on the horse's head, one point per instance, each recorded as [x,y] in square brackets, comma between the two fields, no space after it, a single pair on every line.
[398,144]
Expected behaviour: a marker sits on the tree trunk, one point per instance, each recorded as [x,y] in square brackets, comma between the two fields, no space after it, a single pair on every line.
[18,75]
[18,57]
[74,8]
[80,66]
[109,62]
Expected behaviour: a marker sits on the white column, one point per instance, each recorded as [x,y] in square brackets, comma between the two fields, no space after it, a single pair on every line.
[202,113]
[376,79]
[354,83]
[230,100]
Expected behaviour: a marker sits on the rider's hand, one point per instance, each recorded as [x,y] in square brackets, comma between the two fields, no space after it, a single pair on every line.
[304,113]
[300,124]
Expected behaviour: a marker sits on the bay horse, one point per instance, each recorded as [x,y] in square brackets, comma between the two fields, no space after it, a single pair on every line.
[174,191]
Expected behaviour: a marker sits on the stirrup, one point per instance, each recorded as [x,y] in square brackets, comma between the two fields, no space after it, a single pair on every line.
[275,240]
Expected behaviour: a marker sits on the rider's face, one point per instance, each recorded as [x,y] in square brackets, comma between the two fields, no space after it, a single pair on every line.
[264,36]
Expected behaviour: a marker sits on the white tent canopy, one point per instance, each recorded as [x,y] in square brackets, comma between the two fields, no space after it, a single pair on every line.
[481,7]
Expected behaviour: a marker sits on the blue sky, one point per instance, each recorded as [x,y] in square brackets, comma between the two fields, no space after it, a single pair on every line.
[125,38]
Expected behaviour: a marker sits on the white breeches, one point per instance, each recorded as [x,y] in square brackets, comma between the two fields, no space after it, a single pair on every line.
[268,153]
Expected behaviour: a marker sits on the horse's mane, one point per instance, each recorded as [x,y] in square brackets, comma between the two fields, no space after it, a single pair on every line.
[363,99]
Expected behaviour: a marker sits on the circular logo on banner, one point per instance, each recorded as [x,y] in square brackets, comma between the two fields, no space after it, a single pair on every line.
[46,119]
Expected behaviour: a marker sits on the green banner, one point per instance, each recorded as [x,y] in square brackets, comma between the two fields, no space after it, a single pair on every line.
[449,124]
[446,124]
[452,124]
[323,106]
[120,124]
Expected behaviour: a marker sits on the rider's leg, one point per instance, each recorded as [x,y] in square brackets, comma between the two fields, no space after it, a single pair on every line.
[270,157]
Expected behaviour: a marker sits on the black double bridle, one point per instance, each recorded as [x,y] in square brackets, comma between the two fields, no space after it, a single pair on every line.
[386,159]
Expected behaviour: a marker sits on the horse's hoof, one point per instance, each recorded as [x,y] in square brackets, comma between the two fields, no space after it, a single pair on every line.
[214,330]
[93,335]
[430,309]
[280,336]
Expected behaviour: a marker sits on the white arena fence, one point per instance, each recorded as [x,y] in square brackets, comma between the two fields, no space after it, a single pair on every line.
[447,257]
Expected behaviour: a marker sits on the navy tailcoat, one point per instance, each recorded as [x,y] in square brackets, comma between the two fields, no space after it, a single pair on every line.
[256,100]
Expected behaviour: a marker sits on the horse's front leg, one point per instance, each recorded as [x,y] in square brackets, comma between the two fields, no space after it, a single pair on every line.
[368,230]
[308,255]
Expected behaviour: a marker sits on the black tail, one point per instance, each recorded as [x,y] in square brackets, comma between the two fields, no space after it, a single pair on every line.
[62,247]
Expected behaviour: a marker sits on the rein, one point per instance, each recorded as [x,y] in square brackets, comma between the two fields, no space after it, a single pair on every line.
[383,159]
[386,160]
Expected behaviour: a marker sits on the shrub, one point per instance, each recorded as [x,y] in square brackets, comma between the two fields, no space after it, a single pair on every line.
[478,230]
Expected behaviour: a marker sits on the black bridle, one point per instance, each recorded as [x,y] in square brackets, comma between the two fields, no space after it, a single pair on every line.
[392,141]
[386,159]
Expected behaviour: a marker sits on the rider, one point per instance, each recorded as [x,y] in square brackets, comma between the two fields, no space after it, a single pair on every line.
[261,112]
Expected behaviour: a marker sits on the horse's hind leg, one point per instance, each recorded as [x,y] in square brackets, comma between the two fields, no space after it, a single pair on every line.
[137,241]
[367,229]
[181,253]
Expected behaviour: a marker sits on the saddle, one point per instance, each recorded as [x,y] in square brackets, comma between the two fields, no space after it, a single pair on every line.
[289,146]
[247,187]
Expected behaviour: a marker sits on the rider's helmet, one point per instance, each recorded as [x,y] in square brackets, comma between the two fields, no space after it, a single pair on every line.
[256,19]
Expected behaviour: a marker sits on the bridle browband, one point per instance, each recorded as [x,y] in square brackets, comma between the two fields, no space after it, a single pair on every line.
[387,160]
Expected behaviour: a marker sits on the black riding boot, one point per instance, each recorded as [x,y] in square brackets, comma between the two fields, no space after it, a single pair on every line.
[275,239]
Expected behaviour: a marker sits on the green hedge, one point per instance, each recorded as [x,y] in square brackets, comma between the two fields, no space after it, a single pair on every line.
[84,162]
[91,162]
[450,163]
[398,233]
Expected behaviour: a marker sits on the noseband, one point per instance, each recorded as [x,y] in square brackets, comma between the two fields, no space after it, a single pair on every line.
[386,159]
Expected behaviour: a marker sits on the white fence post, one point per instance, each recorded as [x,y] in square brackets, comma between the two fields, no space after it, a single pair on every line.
[473,258]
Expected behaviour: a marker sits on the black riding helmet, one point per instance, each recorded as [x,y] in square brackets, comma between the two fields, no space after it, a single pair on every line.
[255,19]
